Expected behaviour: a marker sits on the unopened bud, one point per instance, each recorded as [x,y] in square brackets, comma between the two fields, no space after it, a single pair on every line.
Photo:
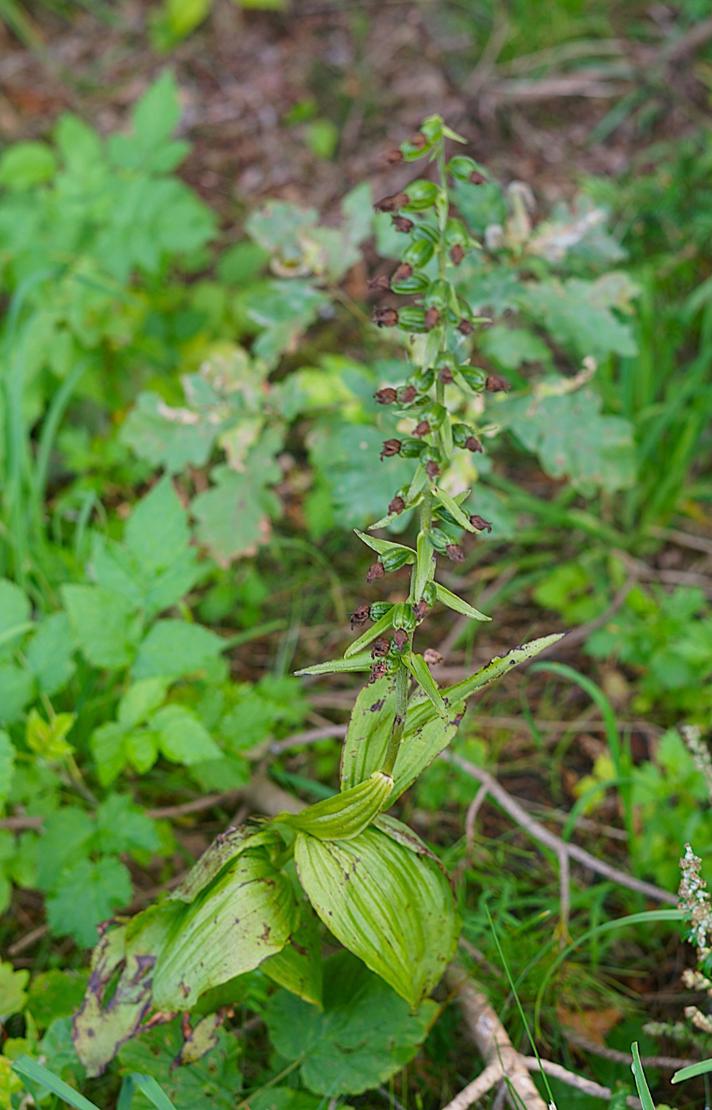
[432,657]
[422,428]
[380,648]
[393,157]
[495,383]
[432,469]
[472,443]
[375,571]
[445,375]
[400,638]
[420,609]
[386,396]
[480,523]
[403,272]
[379,284]
[456,254]
[477,178]
[418,140]
[385,317]
[455,552]
[465,327]
[391,203]
[402,223]
[360,615]
[390,448]
[432,317]
[407,394]
[397,505]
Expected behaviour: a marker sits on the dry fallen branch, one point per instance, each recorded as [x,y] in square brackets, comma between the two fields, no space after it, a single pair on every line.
[502,1061]
[555,843]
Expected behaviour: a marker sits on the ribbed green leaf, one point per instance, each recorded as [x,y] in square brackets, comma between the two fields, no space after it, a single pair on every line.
[346,814]
[447,597]
[421,744]
[421,673]
[382,547]
[247,914]
[424,565]
[298,967]
[454,509]
[367,736]
[362,662]
[390,907]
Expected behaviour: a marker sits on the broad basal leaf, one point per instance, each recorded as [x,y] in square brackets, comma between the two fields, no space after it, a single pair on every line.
[364,1035]
[247,914]
[391,908]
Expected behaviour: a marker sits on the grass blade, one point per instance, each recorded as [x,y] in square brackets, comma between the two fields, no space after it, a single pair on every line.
[38,1073]
[150,1089]
[692,1071]
[641,1083]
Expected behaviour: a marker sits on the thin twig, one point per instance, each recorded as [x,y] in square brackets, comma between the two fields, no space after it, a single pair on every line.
[668,1063]
[555,843]
[492,1041]
[587,1086]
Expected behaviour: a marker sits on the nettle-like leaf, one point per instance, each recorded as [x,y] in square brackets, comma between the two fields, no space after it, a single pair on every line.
[106,626]
[580,314]
[213,1080]
[572,438]
[363,1036]
[234,514]
[389,906]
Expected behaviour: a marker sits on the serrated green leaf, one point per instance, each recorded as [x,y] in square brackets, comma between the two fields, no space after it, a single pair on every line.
[140,700]
[214,1080]
[89,892]
[7,765]
[104,623]
[15,691]
[174,648]
[182,737]
[364,1035]
[166,436]
[234,515]
[13,993]
[14,616]
[157,530]
[578,314]
[49,653]
[447,597]
[122,826]
[573,439]
[391,908]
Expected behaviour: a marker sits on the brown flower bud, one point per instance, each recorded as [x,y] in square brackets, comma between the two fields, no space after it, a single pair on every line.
[400,638]
[432,657]
[456,254]
[455,552]
[391,203]
[397,505]
[403,272]
[385,317]
[432,317]
[402,223]
[445,375]
[480,523]
[379,284]
[393,157]
[418,140]
[420,609]
[422,428]
[495,383]
[359,616]
[477,178]
[375,571]
[432,469]
[465,327]
[378,670]
[472,443]
[390,448]
[407,394]
[379,648]
[386,396]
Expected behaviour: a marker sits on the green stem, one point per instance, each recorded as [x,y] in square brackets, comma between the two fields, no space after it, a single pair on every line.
[394,741]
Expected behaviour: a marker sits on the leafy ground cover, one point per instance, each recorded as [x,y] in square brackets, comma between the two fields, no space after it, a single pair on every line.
[190,433]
